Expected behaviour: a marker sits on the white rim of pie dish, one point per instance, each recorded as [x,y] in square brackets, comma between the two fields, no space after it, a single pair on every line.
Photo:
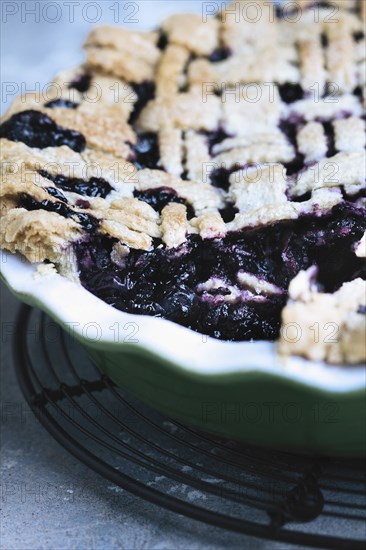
[102,326]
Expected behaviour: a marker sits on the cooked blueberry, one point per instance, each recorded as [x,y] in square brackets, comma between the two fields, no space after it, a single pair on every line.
[295,165]
[290,92]
[177,303]
[228,213]
[147,153]
[290,130]
[81,203]
[302,198]
[62,103]
[86,220]
[219,54]
[28,202]
[94,255]
[329,133]
[81,82]
[56,193]
[144,91]
[215,137]
[324,40]
[160,197]
[358,36]
[358,91]
[36,129]
[163,41]
[219,177]
[94,187]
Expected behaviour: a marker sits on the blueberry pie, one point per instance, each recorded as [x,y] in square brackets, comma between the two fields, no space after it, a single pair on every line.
[211,173]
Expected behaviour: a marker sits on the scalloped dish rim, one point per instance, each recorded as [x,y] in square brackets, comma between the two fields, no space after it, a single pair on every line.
[97,324]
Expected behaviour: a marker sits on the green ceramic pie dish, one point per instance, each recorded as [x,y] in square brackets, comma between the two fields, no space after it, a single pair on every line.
[240,390]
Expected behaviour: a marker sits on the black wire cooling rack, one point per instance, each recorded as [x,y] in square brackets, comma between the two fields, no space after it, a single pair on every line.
[273,495]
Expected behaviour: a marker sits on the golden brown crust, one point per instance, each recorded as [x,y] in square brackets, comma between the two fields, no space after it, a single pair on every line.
[312,142]
[350,134]
[344,169]
[171,150]
[248,109]
[39,235]
[198,160]
[122,53]
[324,327]
[258,187]
[174,224]
[270,51]
[264,147]
[340,57]
[312,64]
[210,225]
[252,116]
[186,111]
[190,31]
[169,75]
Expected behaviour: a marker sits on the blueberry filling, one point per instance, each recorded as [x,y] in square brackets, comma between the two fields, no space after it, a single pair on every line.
[88,222]
[361,194]
[290,130]
[162,41]
[94,187]
[358,91]
[216,137]
[54,192]
[228,213]
[81,83]
[145,91]
[165,282]
[219,177]
[28,202]
[358,36]
[160,197]
[219,54]
[36,129]
[290,92]
[329,133]
[279,11]
[324,40]
[146,151]
[62,103]
[300,198]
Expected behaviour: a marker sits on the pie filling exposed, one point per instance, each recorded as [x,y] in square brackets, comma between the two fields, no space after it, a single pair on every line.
[211,173]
